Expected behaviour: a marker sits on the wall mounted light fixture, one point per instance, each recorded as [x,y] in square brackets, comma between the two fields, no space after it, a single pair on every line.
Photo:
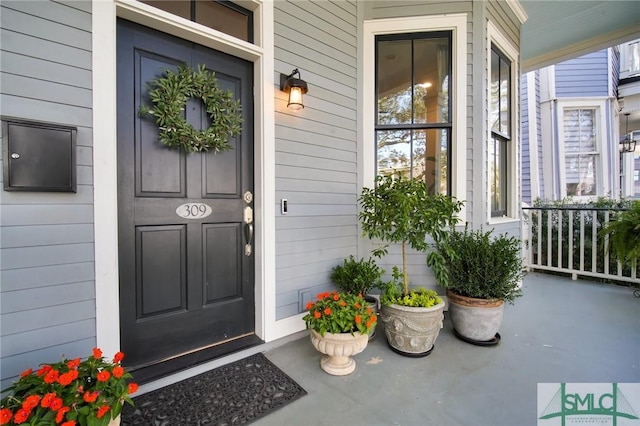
[628,144]
[295,87]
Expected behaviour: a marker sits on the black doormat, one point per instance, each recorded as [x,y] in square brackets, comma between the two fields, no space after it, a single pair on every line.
[234,394]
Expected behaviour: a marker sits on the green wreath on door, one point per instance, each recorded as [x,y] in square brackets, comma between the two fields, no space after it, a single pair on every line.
[169,96]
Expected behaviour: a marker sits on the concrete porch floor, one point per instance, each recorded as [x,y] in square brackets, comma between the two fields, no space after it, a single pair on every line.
[559,331]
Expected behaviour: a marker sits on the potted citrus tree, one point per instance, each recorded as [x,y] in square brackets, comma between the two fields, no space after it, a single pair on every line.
[399,210]
[482,272]
[69,392]
[359,276]
[339,325]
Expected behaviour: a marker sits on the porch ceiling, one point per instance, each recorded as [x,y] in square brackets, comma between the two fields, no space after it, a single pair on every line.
[559,30]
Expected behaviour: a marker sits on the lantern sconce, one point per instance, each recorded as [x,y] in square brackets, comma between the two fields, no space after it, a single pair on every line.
[295,87]
[628,144]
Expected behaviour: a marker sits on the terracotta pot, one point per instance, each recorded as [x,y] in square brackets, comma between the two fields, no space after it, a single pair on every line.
[412,331]
[338,350]
[475,319]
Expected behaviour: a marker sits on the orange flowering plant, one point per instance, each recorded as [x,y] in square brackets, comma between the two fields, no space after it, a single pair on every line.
[339,313]
[69,393]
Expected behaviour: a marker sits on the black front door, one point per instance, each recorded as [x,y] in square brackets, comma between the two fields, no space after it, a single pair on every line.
[186,278]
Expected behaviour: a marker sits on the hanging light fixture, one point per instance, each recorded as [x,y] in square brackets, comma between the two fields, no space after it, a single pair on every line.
[296,87]
[628,144]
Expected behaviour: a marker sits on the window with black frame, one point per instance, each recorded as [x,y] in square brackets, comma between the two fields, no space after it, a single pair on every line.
[413,107]
[500,122]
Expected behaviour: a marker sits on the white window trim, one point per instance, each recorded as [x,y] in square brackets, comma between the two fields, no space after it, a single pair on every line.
[457,24]
[104,14]
[602,157]
[494,36]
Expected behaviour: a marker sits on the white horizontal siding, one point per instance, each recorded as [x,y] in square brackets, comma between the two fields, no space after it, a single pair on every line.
[47,303]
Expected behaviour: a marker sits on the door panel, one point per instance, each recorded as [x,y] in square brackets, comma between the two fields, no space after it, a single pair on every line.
[186,284]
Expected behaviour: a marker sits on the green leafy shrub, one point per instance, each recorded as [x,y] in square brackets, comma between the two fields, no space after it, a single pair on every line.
[482,266]
[357,276]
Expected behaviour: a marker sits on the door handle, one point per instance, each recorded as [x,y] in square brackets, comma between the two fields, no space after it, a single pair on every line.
[248,234]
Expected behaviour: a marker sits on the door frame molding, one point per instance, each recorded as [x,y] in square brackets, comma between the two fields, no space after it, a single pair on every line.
[104,15]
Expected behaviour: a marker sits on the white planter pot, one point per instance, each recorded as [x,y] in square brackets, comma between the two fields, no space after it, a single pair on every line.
[475,319]
[412,331]
[338,350]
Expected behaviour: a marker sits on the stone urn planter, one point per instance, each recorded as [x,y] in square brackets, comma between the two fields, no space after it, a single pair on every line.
[115,422]
[477,320]
[412,331]
[338,350]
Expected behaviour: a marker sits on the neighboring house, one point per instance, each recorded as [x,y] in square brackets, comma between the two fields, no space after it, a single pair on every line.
[629,99]
[120,265]
[573,118]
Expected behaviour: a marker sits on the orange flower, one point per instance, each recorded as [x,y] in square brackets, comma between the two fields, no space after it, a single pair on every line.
[21,416]
[44,370]
[65,379]
[119,356]
[73,374]
[26,373]
[336,296]
[102,411]
[327,311]
[117,372]
[358,319]
[69,423]
[61,413]
[369,311]
[47,399]
[309,306]
[56,404]
[5,416]
[31,402]
[90,396]
[317,314]
[343,303]
[132,388]
[357,305]
[103,376]
[51,376]
[74,363]
[97,353]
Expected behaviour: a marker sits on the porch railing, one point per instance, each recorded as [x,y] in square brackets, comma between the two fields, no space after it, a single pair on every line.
[568,240]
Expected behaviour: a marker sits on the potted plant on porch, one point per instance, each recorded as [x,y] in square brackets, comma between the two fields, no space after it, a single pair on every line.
[339,324]
[359,277]
[69,392]
[482,272]
[399,210]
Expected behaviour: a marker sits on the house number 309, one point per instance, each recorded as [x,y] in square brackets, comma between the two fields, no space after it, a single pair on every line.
[193,210]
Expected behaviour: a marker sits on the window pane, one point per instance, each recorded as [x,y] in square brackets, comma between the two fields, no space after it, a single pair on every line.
[179,7]
[394,151]
[394,82]
[222,18]
[494,113]
[431,159]
[505,97]
[498,176]
[581,175]
[579,130]
[431,61]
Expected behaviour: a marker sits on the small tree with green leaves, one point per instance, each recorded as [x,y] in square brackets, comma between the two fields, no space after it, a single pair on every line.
[400,211]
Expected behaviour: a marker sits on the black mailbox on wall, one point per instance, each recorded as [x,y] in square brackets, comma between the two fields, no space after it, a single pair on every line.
[38,156]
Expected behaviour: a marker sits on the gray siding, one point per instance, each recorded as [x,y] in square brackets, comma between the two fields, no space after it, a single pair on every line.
[540,171]
[47,305]
[585,76]
[315,148]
